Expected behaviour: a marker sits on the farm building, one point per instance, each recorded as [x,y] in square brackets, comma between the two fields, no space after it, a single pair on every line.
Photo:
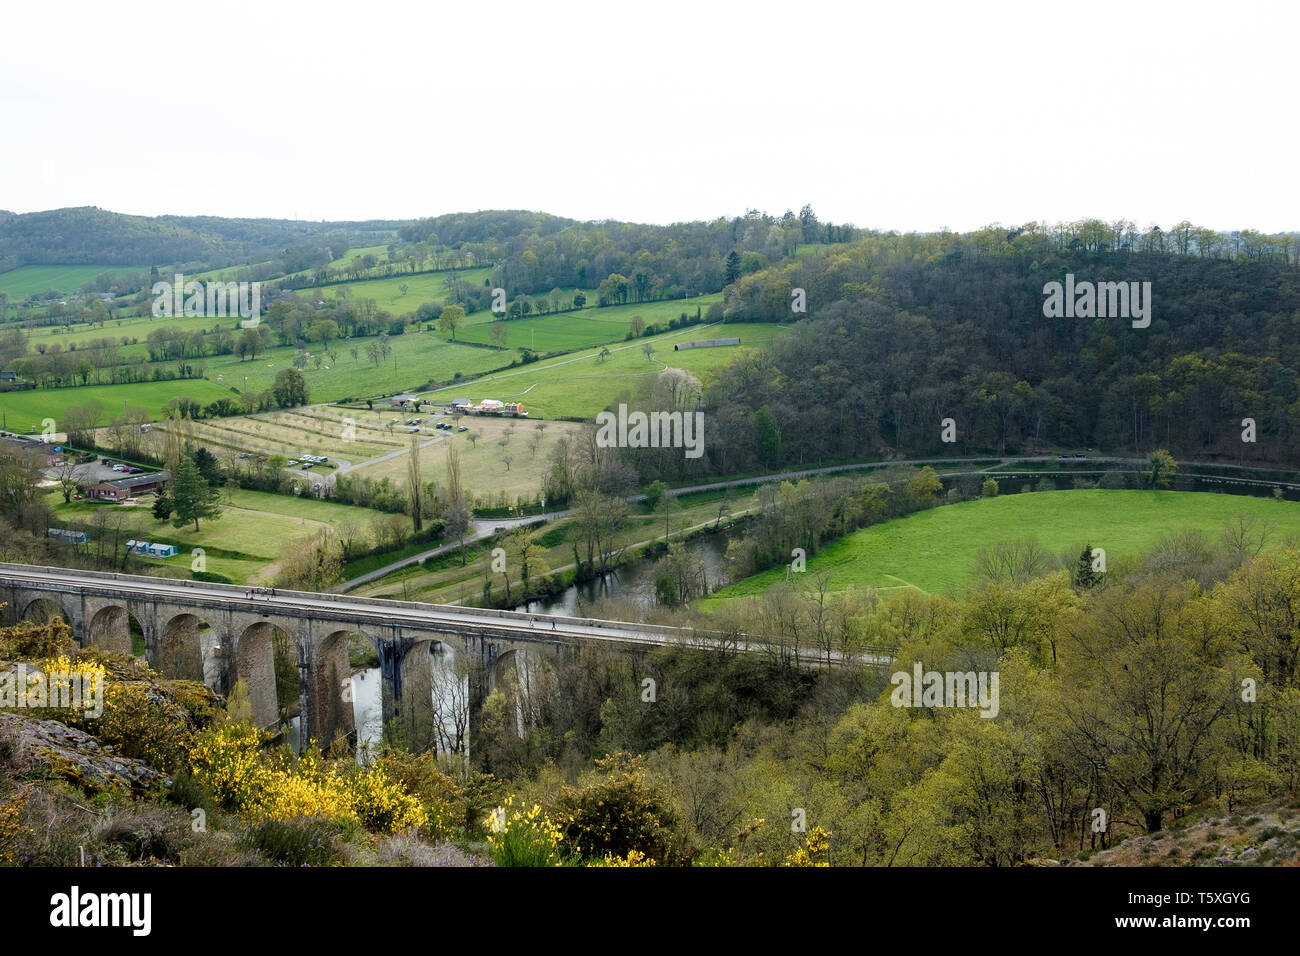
[122,488]
[491,406]
[43,454]
[150,549]
[75,537]
[461,404]
[404,401]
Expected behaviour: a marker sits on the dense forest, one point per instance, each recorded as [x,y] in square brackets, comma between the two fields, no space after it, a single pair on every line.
[902,332]
[91,236]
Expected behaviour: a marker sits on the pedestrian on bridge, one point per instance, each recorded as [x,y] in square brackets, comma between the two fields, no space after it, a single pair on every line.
[552,624]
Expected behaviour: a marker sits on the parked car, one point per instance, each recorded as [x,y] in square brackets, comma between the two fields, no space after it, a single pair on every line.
[306,465]
[415,429]
[463,428]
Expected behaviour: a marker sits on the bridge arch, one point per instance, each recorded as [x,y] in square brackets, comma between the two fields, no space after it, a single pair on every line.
[331,699]
[267,661]
[114,628]
[431,705]
[42,610]
[518,673]
[179,653]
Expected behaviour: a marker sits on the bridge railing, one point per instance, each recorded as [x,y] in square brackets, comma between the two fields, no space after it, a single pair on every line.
[239,591]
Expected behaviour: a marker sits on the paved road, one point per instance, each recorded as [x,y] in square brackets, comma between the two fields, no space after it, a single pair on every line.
[479,529]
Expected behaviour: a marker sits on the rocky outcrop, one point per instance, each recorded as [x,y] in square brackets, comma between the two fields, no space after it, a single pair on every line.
[76,755]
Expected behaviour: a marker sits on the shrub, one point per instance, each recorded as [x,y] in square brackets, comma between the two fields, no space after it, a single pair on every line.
[452,809]
[11,828]
[143,727]
[300,842]
[144,831]
[30,639]
[228,763]
[189,792]
[620,814]
[382,805]
[1112,479]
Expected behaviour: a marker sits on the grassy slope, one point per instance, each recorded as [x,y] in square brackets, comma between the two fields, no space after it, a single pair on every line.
[583,328]
[22,409]
[936,548]
[387,292]
[24,281]
[241,543]
[579,385]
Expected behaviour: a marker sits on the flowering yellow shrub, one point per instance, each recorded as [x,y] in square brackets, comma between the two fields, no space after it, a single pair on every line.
[62,674]
[228,761]
[814,852]
[285,796]
[381,804]
[142,728]
[633,858]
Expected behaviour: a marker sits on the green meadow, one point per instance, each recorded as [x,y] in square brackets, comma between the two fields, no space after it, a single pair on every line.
[22,410]
[935,549]
[242,544]
[583,328]
[26,280]
[582,384]
[387,292]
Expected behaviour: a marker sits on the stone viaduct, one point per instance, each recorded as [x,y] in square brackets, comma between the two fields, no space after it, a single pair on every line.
[218,634]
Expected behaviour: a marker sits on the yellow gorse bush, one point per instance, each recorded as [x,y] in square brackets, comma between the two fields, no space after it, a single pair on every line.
[55,678]
[229,762]
[814,852]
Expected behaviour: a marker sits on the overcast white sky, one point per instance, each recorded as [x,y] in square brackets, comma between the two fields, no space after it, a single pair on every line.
[901,115]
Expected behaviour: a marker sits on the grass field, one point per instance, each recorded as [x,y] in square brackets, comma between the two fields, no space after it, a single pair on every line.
[26,280]
[571,385]
[417,357]
[24,409]
[484,475]
[242,544]
[580,385]
[936,549]
[387,292]
[583,328]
